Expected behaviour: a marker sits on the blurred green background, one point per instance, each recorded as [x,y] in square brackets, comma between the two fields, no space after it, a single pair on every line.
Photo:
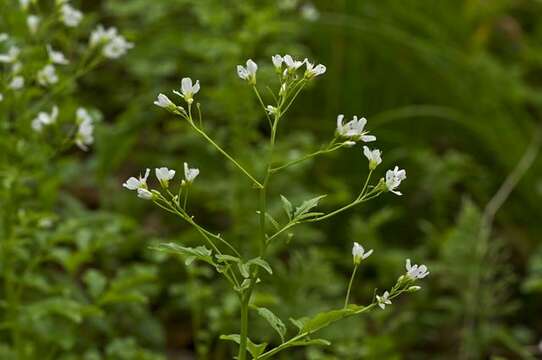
[451,88]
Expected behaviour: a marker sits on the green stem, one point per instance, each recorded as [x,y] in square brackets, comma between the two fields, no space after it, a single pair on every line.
[350,285]
[244,327]
[306,157]
[228,156]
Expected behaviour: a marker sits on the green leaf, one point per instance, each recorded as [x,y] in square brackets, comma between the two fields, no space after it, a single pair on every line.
[276,225]
[261,263]
[273,320]
[307,205]
[287,205]
[224,258]
[324,319]
[244,270]
[254,349]
[299,323]
[200,252]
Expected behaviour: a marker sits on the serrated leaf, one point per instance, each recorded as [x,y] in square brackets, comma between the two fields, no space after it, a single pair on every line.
[287,205]
[261,263]
[273,320]
[307,205]
[254,349]
[200,252]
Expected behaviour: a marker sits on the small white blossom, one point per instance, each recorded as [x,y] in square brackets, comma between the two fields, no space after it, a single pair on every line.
[313,71]
[394,178]
[3,37]
[164,102]
[310,12]
[277,61]
[24,4]
[359,253]
[374,157]
[70,16]
[84,136]
[56,57]
[1,97]
[137,183]
[33,22]
[188,89]
[383,300]
[117,47]
[291,63]
[249,72]
[100,35]
[45,119]
[190,174]
[47,75]
[416,271]
[11,55]
[16,83]
[144,194]
[163,175]
[354,129]
[272,110]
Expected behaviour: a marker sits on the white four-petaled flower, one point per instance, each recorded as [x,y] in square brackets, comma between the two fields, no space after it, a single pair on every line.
[359,253]
[117,47]
[354,129]
[47,75]
[190,174]
[249,72]
[56,57]
[291,63]
[134,183]
[70,16]
[374,157]
[163,175]
[394,178]
[383,300]
[85,130]
[164,102]
[45,119]
[188,89]
[277,61]
[312,70]
[416,271]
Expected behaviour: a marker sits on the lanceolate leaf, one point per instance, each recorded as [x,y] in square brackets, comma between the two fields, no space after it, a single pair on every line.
[199,253]
[261,263]
[307,205]
[287,205]
[273,320]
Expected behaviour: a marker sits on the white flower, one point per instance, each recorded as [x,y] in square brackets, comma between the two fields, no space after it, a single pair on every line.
[394,178]
[144,194]
[164,102]
[70,16]
[117,47]
[249,72]
[16,67]
[383,300]
[11,55]
[310,12]
[134,183]
[47,75]
[416,271]
[291,63]
[3,37]
[374,157]
[56,57]
[16,83]
[188,90]
[354,129]
[45,119]
[1,97]
[163,175]
[190,174]
[312,70]
[100,35]
[277,61]
[33,21]
[271,109]
[359,253]
[84,136]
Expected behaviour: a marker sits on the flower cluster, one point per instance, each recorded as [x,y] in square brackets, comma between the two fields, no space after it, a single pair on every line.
[112,44]
[164,176]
